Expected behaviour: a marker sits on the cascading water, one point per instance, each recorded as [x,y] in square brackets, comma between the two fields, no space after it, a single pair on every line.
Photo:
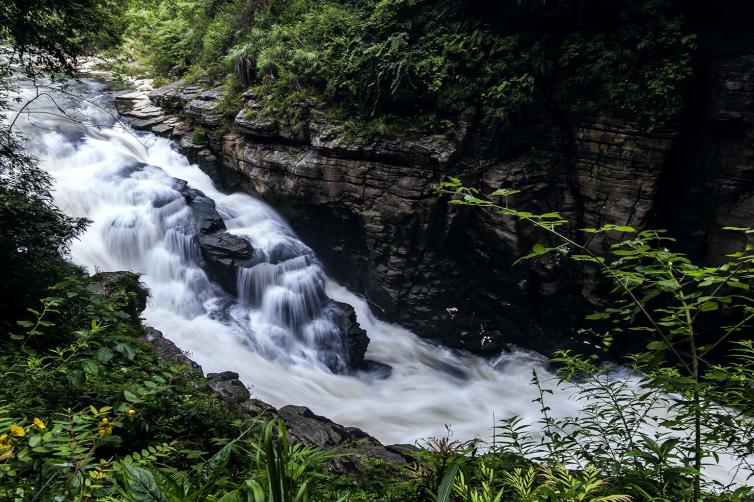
[278,331]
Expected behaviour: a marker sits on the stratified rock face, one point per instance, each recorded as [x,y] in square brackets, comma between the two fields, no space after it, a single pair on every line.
[618,167]
[369,211]
[710,183]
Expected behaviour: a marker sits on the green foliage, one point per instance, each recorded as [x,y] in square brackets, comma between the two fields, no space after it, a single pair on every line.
[199,136]
[694,383]
[421,58]
[51,34]
[34,234]
[77,365]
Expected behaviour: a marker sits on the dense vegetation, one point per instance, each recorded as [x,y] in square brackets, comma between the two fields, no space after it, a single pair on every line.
[88,411]
[440,61]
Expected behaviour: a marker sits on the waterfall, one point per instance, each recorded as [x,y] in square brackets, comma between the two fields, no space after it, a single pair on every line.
[277,330]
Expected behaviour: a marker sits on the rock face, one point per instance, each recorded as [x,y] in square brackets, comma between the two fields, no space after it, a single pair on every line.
[368,209]
[355,339]
[167,349]
[228,387]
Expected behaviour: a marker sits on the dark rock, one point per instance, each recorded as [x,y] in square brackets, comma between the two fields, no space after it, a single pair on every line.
[228,387]
[308,428]
[379,452]
[223,253]
[407,451]
[254,408]
[354,336]
[205,108]
[167,349]
[162,129]
[147,123]
[177,72]
[167,96]
[206,217]
[367,207]
[143,111]
[377,369]
[125,101]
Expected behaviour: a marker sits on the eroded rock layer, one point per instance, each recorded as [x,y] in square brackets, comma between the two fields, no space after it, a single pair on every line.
[368,209]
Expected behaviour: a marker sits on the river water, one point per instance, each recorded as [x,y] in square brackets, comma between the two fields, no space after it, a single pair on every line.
[125,182]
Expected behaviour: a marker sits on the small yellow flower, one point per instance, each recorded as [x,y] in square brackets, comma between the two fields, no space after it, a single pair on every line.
[40,425]
[97,474]
[131,413]
[6,455]
[17,430]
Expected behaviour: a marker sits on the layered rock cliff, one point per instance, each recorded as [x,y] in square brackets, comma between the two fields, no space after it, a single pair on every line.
[367,206]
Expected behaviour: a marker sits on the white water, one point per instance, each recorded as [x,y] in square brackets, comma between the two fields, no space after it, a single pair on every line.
[141,223]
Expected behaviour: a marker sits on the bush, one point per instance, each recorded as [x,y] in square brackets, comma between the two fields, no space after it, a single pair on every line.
[420,57]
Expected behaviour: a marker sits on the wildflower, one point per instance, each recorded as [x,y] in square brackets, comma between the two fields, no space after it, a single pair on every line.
[6,455]
[17,430]
[40,425]
[131,413]
[97,474]
[105,427]
[4,442]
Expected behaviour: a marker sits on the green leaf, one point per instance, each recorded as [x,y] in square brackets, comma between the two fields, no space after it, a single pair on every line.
[668,283]
[126,351]
[130,396]
[657,345]
[141,485]
[104,355]
[595,317]
[90,367]
[708,307]
[446,486]
[739,285]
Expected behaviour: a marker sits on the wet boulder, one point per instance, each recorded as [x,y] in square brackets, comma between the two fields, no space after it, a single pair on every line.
[355,339]
[223,253]
[205,215]
[228,387]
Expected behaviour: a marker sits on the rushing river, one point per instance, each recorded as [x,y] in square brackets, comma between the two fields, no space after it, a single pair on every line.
[125,182]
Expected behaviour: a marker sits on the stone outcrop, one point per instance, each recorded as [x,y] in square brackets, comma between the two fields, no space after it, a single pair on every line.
[303,426]
[367,207]
[355,339]
[228,387]
[167,349]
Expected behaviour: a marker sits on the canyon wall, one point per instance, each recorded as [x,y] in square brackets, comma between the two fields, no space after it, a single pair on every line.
[368,209]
